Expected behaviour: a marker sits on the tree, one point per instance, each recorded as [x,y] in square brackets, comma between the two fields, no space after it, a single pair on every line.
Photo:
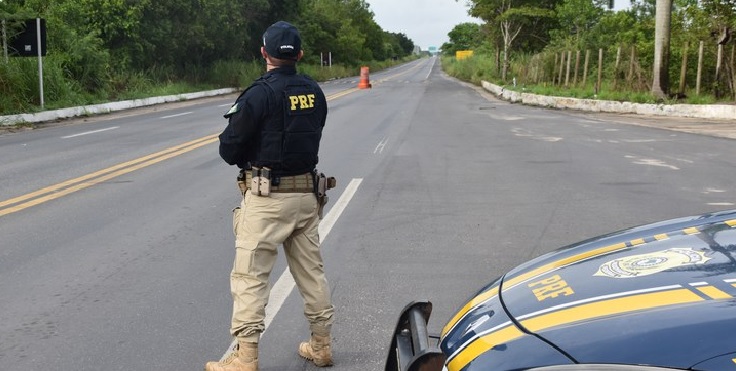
[464,36]
[407,46]
[663,19]
[576,17]
[511,17]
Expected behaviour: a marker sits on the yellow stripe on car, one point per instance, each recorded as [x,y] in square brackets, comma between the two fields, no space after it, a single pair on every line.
[480,299]
[527,276]
[610,307]
[563,262]
[565,316]
[691,230]
[595,309]
[713,292]
[482,345]
[661,237]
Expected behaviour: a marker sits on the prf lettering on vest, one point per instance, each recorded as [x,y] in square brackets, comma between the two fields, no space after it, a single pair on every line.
[551,287]
[301,101]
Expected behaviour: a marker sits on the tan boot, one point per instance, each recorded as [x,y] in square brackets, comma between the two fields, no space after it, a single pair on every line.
[317,350]
[245,358]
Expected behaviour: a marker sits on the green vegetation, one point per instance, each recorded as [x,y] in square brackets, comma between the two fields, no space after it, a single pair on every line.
[107,50]
[543,47]
[480,68]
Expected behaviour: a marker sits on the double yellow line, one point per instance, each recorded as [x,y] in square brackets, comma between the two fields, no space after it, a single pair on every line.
[73,185]
[62,189]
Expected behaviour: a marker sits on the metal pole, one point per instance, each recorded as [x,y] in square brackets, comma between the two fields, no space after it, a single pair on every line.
[5,43]
[40,61]
[330,56]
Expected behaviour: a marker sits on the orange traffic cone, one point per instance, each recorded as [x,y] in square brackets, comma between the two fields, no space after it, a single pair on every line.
[364,79]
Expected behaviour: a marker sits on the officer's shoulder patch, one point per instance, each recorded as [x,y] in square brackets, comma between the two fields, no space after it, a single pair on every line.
[233,110]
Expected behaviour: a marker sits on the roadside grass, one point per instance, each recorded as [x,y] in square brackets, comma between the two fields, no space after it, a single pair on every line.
[477,69]
[19,86]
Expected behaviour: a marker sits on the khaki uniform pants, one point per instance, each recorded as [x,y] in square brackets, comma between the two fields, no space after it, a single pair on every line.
[261,224]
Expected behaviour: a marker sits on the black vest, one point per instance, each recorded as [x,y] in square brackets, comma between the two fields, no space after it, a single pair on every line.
[290,136]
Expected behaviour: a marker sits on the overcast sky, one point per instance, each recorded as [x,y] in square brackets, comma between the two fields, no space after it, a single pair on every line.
[426,22]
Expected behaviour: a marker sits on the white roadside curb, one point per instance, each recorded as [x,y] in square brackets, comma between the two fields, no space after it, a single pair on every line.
[705,111]
[95,109]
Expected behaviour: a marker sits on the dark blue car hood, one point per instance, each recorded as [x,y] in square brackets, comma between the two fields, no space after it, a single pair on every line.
[662,294]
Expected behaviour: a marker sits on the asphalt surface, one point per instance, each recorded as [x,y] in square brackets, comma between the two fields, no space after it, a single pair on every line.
[116,238]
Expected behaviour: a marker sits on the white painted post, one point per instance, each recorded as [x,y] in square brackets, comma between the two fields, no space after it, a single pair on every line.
[40,60]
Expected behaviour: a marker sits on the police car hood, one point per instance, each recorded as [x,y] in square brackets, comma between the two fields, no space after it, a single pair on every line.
[661,294]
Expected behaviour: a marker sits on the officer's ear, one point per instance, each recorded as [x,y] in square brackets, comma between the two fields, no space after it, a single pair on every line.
[263,52]
[300,55]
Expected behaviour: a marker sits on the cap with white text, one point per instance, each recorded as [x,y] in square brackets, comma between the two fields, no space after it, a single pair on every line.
[282,41]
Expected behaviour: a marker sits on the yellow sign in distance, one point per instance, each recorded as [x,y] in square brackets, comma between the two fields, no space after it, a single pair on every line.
[463,54]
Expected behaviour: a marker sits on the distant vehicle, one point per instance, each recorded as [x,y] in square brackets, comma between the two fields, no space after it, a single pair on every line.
[660,296]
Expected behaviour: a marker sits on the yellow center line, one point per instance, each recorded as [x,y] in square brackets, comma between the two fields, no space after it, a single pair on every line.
[73,185]
[400,73]
[67,187]
[341,94]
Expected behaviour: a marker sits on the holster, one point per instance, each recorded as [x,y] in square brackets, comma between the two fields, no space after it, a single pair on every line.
[322,185]
[241,182]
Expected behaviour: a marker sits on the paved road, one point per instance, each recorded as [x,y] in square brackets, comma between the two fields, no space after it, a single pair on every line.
[116,241]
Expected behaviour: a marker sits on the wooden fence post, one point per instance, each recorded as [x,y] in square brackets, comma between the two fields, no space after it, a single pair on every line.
[600,70]
[585,68]
[567,72]
[562,67]
[683,69]
[615,67]
[577,66]
[498,61]
[733,72]
[719,57]
[630,76]
[700,69]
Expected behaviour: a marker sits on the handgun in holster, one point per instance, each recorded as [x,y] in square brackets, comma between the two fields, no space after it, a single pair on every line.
[241,182]
[324,183]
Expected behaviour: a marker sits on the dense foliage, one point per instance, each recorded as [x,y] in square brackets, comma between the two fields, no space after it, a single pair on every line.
[532,31]
[109,46]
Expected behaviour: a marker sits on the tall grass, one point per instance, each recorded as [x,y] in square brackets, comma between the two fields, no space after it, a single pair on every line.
[19,87]
[325,73]
[533,74]
[474,69]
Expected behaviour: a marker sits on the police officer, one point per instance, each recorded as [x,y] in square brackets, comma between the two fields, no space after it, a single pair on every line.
[273,135]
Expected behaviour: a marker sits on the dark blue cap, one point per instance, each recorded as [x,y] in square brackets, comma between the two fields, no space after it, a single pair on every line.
[282,40]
